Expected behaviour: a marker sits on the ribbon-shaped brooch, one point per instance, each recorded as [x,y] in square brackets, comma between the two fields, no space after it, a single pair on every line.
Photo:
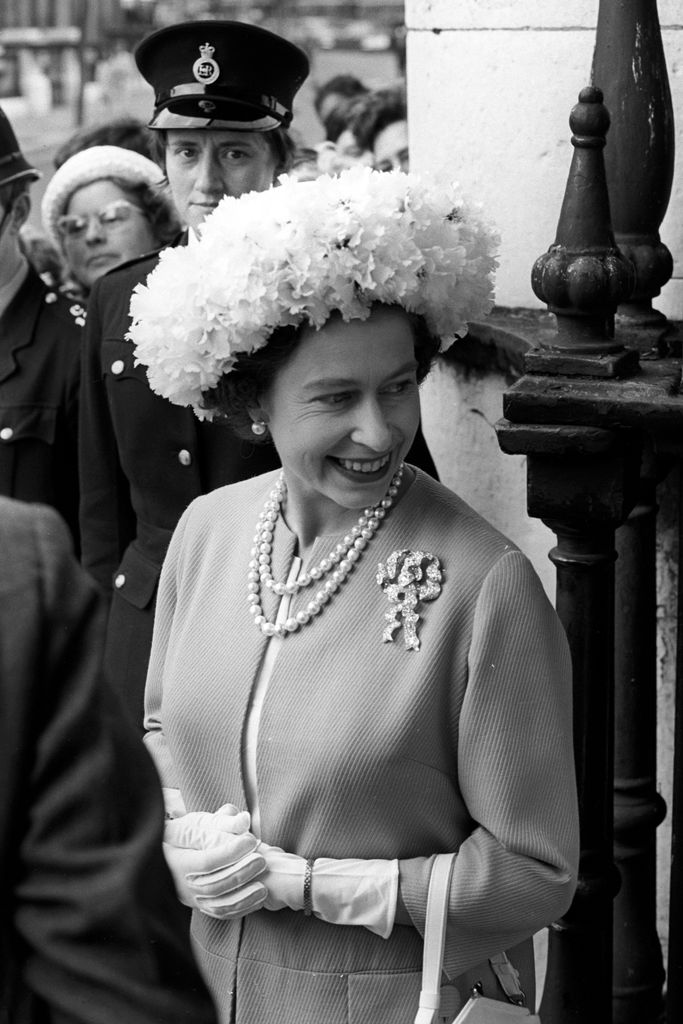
[407,578]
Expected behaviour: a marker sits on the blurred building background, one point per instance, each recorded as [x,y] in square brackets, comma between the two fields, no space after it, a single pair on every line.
[53,53]
[67,63]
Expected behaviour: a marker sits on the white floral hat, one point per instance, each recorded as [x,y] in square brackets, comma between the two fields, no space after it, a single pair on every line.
[300,251]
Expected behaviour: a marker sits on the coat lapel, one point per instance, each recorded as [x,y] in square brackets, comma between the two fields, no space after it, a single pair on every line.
[18,322]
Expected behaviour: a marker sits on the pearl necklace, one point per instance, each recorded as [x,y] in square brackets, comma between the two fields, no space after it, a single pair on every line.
[338,563]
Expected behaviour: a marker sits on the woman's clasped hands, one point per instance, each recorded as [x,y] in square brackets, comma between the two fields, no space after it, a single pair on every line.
[222,869]
[215,862]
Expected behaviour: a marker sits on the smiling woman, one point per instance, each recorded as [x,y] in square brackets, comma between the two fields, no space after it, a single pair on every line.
[351,670]
[341,405]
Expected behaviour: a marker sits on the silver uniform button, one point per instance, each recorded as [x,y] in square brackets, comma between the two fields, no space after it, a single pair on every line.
[120,580]
[118,366]
[6,434]
[184,457]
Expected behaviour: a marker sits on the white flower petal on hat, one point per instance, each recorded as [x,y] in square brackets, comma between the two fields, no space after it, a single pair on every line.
[300,251]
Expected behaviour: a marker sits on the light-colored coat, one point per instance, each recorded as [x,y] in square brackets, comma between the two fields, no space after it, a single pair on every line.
[367,749]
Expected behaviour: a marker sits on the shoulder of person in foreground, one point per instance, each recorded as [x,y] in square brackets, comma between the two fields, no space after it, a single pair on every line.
[95,934]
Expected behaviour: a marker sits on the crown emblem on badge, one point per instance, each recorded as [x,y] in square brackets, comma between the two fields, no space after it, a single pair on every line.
[205,69]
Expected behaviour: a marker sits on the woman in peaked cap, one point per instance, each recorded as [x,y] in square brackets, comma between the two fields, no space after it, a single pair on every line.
[223,101]
[351,670]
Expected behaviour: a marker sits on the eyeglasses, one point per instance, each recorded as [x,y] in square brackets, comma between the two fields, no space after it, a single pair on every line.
[73,225]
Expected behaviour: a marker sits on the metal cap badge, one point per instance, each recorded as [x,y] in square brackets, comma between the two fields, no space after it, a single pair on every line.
[205,69]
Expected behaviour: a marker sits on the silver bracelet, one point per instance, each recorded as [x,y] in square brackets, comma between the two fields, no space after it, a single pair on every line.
[308,888]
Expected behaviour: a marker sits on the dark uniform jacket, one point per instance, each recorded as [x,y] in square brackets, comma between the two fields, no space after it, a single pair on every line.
[143,460]
[91,931]
[40,338]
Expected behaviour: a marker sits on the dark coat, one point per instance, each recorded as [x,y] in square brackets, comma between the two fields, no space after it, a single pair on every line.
[91,931]
[143,460]
[40,339]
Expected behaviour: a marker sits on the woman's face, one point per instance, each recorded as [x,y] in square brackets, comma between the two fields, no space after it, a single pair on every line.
[390,148]
[203,166]
[349,152]
[118,234]
[343,412]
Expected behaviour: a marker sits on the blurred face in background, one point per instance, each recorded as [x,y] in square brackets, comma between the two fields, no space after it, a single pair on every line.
[203,166]
[102,227]
[331,102]
[390,148]
[350,153]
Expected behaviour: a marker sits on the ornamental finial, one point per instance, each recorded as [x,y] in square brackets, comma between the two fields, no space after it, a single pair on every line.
[583,276]
[630,65]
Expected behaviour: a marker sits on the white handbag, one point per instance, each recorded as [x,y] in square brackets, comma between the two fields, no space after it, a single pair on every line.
[479,1009]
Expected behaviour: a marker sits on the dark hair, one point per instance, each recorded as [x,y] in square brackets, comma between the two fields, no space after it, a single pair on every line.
[279,140]
[240,390]
[126,132]
[347,86]
[377,111]
[341,117]
[305,164]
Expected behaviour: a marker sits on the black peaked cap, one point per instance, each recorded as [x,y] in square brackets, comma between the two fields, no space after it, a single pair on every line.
[221,74]
[13,164]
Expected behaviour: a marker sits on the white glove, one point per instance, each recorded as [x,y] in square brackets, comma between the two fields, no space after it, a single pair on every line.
[348,892]
[174,805]
[284,878]
[215,870]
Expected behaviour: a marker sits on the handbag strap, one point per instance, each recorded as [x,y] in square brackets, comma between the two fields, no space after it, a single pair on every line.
[508,978]
[435,937]
[435,941]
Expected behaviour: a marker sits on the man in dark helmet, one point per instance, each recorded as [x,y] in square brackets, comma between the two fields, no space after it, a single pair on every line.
[223,102]
[90,930]
[40,337]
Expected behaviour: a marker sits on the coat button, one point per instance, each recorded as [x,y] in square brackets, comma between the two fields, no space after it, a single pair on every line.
[118,366]
[6,434]
[120,580]
[184,457]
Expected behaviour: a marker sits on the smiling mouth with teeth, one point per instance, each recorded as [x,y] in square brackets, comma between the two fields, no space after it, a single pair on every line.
[364,467]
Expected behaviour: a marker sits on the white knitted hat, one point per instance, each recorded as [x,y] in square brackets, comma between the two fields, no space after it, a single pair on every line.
[90,165]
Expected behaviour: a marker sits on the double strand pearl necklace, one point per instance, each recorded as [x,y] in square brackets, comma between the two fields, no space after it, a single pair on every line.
[338,564]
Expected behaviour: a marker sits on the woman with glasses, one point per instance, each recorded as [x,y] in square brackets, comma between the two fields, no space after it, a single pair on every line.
[102,208]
